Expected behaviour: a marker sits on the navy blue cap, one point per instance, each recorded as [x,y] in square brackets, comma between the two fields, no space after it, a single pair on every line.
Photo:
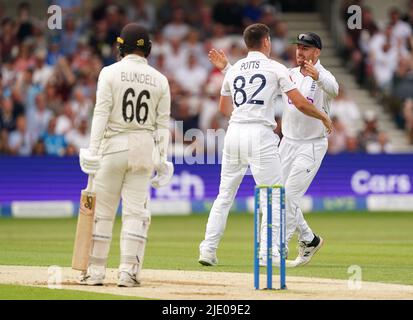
[310,39]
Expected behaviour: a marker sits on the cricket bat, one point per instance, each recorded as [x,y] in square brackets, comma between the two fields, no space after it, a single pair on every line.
[84,229]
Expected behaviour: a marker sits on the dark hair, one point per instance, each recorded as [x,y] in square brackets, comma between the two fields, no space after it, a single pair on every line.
[254,34]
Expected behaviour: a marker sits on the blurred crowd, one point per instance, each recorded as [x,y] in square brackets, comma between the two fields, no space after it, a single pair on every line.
[381,57]
[48,77]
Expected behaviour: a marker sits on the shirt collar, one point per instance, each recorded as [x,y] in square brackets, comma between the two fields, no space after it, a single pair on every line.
[135,57]
[257,54]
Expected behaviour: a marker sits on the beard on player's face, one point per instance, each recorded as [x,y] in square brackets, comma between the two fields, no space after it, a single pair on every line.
[304,53]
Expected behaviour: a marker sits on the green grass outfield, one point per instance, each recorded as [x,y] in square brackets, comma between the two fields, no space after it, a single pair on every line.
[380,243]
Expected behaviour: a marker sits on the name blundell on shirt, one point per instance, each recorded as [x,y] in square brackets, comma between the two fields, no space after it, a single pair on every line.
[139,78]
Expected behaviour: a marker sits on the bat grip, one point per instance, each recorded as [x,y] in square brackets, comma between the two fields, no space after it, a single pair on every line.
[89,187]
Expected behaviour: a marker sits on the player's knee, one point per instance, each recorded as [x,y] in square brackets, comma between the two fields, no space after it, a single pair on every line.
[225,197]
[103,229]
[135,227]
[291,193]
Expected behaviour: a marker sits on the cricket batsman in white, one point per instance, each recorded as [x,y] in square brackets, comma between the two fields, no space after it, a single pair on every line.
[251,85]
[129,140]
[304,142]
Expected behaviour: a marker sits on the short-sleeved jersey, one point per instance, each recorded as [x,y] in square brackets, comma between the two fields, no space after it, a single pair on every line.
[131,95]
[253,84]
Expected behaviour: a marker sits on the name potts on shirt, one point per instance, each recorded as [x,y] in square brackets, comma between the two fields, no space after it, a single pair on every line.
[250,65]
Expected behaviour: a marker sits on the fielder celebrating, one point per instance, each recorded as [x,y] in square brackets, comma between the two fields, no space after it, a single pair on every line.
[305,143]
[130,124]
[251,85]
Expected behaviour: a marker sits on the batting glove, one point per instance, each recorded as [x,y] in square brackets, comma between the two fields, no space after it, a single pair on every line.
[89,163]
[164,173]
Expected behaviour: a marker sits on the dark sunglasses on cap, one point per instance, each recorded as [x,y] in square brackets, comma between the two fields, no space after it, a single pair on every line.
[309,39]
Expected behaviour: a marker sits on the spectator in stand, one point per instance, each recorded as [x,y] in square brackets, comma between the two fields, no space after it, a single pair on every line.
[143,13]
[39,148]
[408,117]
[384,58]
[219,38]
[371,139]
[252,12]
[18,101]
[193,44]
[81,106]
[8,40]
[53,53]
[24,22]
[116,19]
[69,36]
[4,137]
[200,17]
[401,89]
[230,14]
[402,34]
[191,76]
[176,55]
[20,142]
[24,59]
[99,39]
[355,40]
[27,90]
[99,11]
[177,28]
[81,57]
[55,144]
[345,110]
[280,42]
[63,78]
[7,115]
[352,145]
[166,8]
[38,119]
[269,16]
[337,140]
[409,16]
[53,99]
[42,72]
[79,137]
[64,122]
[236,52]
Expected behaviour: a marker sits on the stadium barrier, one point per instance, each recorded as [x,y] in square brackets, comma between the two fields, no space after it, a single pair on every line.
[50,186]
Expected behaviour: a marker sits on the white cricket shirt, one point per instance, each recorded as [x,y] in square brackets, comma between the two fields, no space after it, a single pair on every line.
[253,83]
[295,124]
[131,96]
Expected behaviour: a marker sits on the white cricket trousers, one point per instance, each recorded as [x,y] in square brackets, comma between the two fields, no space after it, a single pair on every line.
[300,162]
[246,144]
[113,181]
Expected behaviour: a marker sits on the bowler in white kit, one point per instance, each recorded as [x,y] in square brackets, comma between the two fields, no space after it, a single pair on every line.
[129,140]
[304,142]
[249,89]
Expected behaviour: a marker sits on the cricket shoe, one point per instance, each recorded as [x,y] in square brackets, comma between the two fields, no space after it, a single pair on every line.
[208,259]
[91,279]
[128,280]
[306,250]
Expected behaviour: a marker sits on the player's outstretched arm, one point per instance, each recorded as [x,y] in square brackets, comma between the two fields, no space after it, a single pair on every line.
[218,59]
[309,109]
